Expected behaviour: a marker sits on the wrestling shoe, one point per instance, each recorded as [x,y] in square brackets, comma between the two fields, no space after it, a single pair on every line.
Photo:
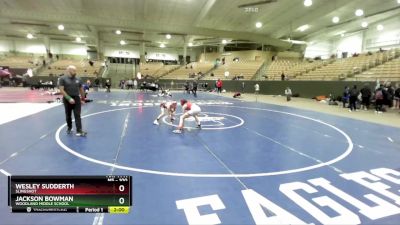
[69,131]
[198,126]
[156,122]
[81,133]
[178,131]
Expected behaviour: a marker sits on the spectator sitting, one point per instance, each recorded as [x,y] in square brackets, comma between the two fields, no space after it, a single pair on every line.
[237,95]
[288,93]
[85,89]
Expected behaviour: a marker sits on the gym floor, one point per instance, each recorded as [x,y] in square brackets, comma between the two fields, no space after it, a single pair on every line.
[251,163]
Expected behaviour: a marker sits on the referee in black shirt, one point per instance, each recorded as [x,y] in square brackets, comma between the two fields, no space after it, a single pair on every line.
[70,87]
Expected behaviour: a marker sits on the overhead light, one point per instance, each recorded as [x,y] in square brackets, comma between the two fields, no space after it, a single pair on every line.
[365,24]
[258,24]
[398,1]
[162,45]
[190,44]
[379,27]
[118,32]
[60,27]
[294,41]
[224,41]
[307,3]
[298,42]
[78,39]
[359,12]
[122,42]
[168,36]
[342,35]
[29,36]
[303,28]
[340,32]
[335,19]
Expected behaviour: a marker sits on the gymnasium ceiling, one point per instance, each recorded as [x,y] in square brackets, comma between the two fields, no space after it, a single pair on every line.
[200,22]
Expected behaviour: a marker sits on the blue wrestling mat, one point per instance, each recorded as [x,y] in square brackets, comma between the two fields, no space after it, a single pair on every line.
[251,163]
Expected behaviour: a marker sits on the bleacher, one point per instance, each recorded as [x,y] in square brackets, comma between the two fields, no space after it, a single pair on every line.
[278,66]
[387,71]
[341,69]
[192,68]
[150,68]
[83,68]
[20,61]
[362,67]
[304,67]
[243,69]
[165,69]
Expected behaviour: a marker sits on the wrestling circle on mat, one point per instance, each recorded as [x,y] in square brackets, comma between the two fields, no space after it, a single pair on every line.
[216,121]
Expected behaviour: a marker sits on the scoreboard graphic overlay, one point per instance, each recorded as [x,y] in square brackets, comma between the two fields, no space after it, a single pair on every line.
[70,194]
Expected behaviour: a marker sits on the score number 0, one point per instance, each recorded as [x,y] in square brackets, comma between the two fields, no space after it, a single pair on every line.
[121,188]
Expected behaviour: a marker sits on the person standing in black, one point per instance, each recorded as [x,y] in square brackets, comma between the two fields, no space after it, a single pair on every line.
[186,86]
[379,99]
[353,98]
[71,88]
[397,97]
[365,97]
[390,95]
[346,96]
[283,76]
[194,89]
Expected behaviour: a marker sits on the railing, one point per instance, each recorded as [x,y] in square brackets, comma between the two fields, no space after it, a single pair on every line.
[103,71]
[38,70]
[170,71]
[207,72]
[257,75]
